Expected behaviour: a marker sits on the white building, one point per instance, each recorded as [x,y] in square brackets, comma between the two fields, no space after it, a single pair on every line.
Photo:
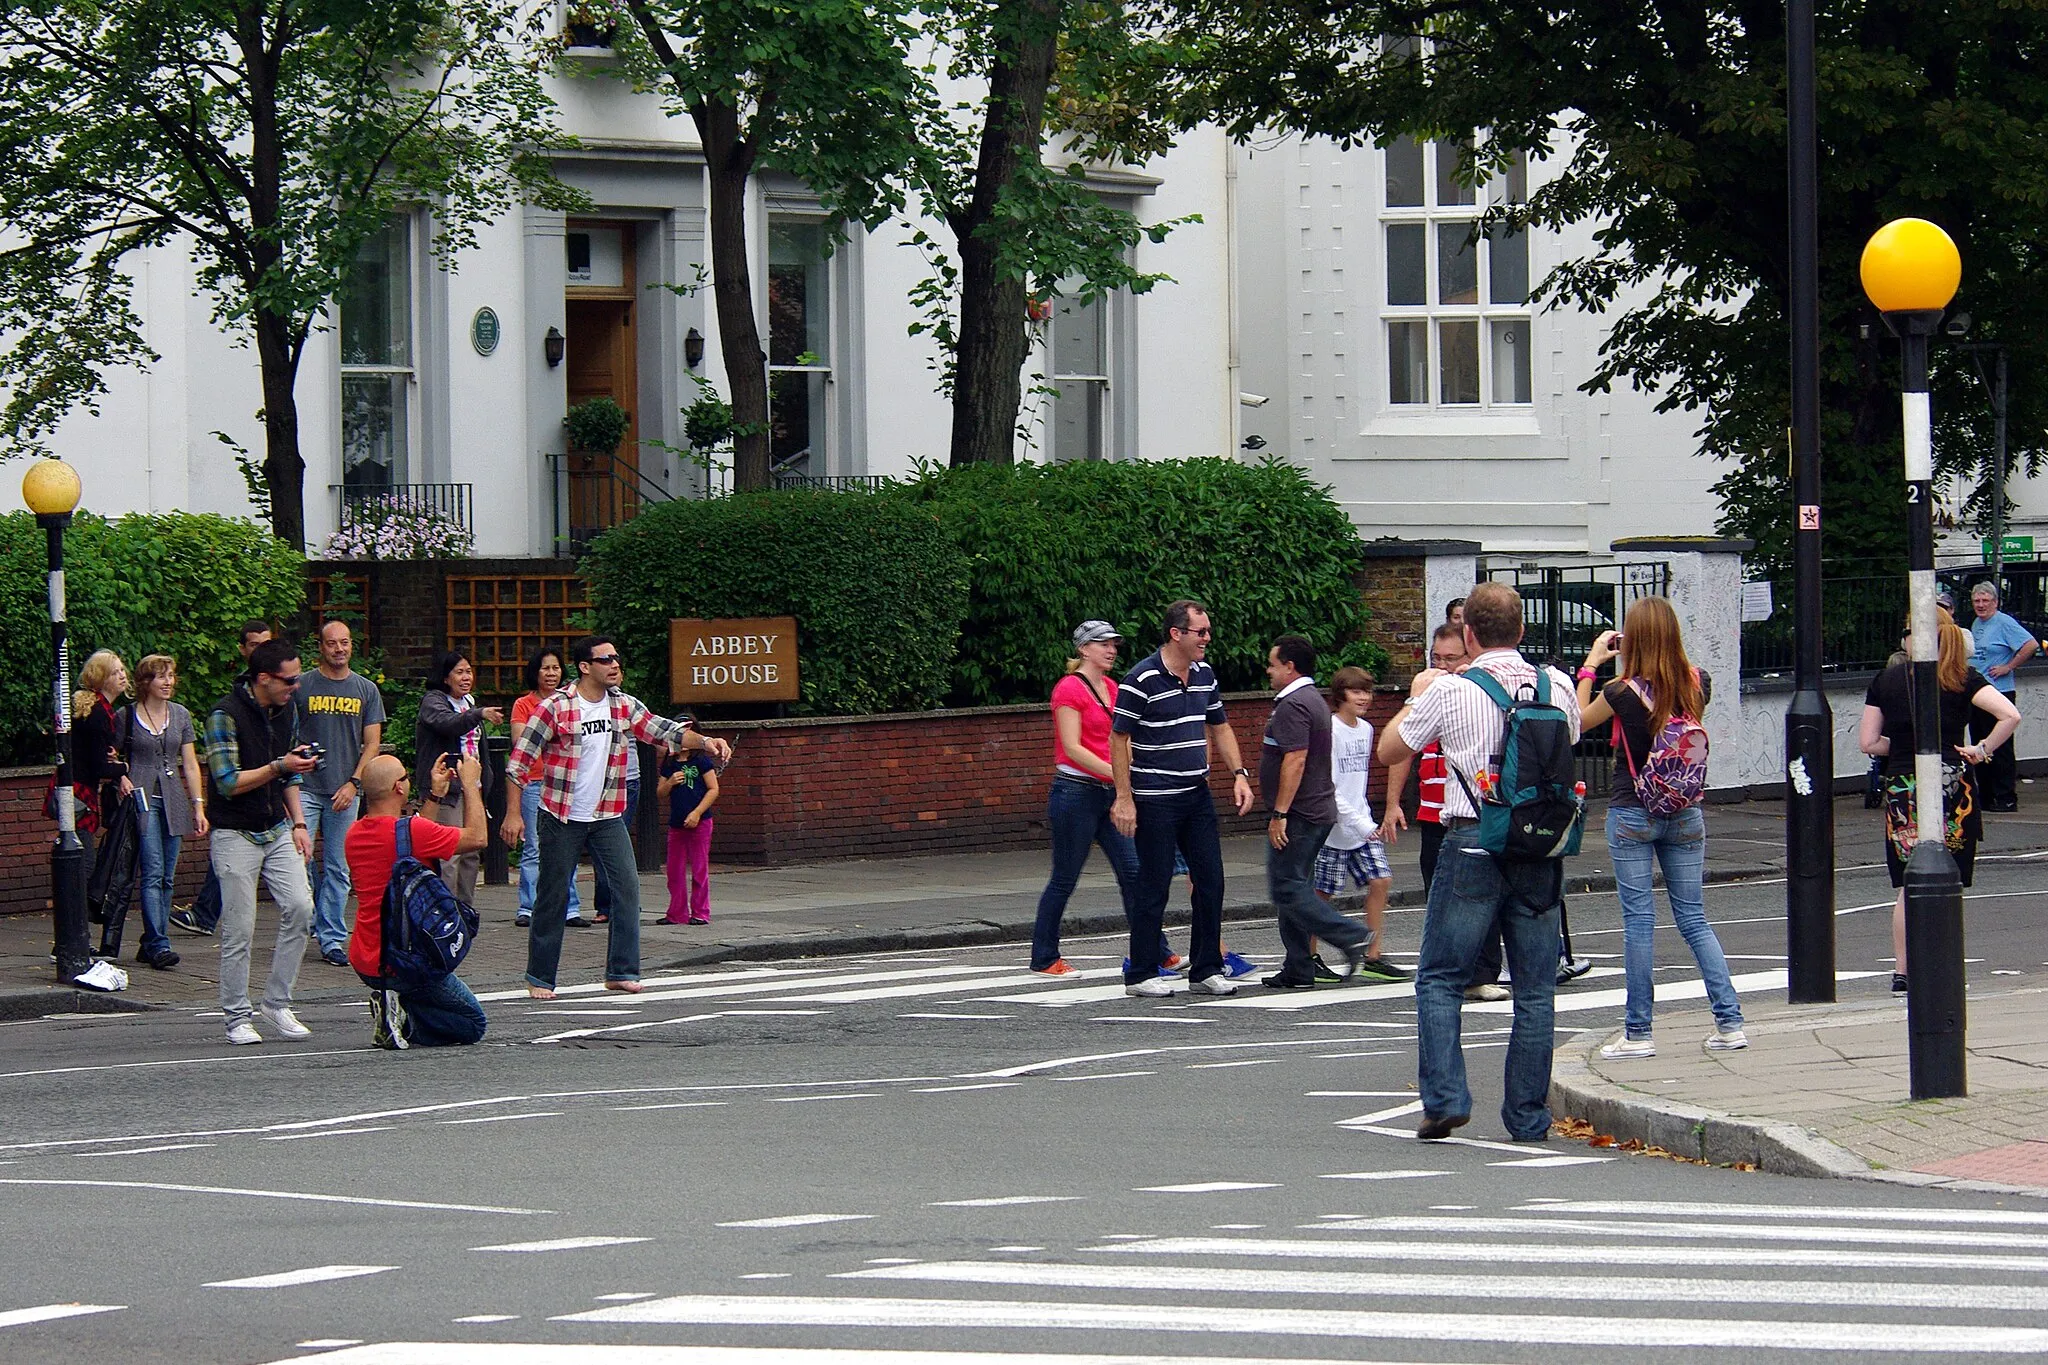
[1336,291]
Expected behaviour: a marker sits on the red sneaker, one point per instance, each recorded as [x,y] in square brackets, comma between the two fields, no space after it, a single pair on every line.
[1172,961]
[1060,967]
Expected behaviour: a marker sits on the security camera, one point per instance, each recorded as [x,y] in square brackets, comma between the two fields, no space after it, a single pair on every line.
[1253,400]
[1958,325]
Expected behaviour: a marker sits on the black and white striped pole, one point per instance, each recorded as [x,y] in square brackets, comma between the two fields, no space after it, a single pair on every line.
[51,488]
[1910,271]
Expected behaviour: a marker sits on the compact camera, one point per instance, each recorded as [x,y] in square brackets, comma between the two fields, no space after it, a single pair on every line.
[316,752]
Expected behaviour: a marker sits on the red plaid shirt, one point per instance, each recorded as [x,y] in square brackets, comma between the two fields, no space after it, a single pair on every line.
[550,741]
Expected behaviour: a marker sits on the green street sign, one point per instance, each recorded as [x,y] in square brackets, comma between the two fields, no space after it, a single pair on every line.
[2011,547]
[485,331]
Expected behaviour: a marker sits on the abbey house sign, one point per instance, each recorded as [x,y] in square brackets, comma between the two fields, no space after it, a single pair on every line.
[751,659]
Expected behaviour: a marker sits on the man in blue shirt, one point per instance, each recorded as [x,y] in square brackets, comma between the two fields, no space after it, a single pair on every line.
[2003,644]
[1167,707]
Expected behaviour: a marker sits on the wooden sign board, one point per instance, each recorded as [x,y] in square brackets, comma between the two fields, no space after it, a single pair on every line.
[747,659]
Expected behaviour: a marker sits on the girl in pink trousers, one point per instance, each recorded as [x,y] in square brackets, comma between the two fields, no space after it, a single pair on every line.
[691,785]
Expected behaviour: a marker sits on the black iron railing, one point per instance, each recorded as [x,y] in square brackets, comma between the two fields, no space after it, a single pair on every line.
[593,493]
[357,504]
[1861,622]
[833,483]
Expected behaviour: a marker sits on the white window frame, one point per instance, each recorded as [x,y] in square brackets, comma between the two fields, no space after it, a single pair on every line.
[824,420]
[1102,384]
[1431,216]
[407,466]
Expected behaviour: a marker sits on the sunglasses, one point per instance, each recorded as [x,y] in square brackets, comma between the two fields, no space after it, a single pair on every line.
[604,658]
[1204,633]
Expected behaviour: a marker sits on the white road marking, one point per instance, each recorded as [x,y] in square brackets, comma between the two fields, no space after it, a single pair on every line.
[1005,1201]
[917,988]
[1375,1284]
[1548,1253]
[767,1275]
[1359,1094]
[1556,1161]
[313,1274]
[956,1016]
[50,1312]
[1217,1066]
[1519,1329]
[1105,1076]
[1407,1136]
[329,1343]
[798,1220]
[627,1297]
[565,1244]
[1329,1056]
[672,1104]
[1031,1068]
[1209,1187]
[145,1151]
[805,1099]
[570,1035]
[1745,983]
[489,1317]
[331,1132]
[279,1194]
[1383,1175]
[1147,1019]
[581,1353]
[505,1118]
[1668,1231]
[1801,1212]
[1017,1248]
[951,1089]
[239,1056]
[794,975]
[1382,1115]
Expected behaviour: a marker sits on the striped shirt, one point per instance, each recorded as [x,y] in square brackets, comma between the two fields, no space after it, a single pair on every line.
[1168,724]
[1469,724]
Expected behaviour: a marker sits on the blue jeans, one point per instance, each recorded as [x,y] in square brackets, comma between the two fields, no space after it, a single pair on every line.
[328,870]
[1303,915]
[1638,842]
[562,842]
[157,857]
[1470,894]
[1185,822]
[529,854]
[440,1013]
[604,886]
[206,908]
[1077,813]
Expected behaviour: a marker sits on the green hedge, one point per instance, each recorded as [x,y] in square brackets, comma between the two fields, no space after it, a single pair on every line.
[1264,548]
[876,586]
[176,584]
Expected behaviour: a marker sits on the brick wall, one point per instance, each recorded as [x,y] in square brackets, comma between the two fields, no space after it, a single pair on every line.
[925,782]
[1393,589]
[26,838]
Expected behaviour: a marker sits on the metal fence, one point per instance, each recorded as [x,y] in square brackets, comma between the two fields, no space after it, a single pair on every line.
[833,483]
[592,494]
[1861,622]
[356,503]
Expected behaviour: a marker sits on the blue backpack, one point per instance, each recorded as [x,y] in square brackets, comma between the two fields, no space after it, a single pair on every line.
[1535,810]
[427,931]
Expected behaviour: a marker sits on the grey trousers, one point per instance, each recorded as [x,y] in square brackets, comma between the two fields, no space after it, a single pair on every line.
[458,873]
[237,861]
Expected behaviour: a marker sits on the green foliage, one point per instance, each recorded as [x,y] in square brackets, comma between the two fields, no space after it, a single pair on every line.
[1665,128]
[270,138]
[597,425]
[177,584]
[876,586]
[1265,549]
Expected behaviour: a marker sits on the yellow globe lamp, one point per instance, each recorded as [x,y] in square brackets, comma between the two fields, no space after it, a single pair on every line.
[1911,266]
[50,488]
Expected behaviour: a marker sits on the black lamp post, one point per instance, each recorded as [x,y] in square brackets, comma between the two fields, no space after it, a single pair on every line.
[1809,723]
[51,491]
[1910,271]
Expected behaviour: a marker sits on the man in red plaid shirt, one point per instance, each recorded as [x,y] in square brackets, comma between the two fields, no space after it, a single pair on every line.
[581,741]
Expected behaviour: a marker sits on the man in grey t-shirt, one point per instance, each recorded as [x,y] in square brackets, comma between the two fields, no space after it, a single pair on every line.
[1294,775]
[342,711]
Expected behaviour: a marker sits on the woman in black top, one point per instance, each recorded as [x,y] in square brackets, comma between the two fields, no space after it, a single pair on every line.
[1887,733]
[96,761]
[451,723]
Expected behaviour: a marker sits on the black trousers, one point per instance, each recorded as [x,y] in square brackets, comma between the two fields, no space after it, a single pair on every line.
[1999,779]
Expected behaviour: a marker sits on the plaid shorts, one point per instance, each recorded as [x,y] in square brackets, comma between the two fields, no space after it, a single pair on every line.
[1366,863]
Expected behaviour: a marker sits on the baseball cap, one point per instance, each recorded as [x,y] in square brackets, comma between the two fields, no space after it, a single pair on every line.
[1088,632]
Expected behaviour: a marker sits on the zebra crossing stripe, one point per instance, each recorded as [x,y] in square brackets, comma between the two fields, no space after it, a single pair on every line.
[1561,1253]
[51,1312]
[1763,1232]
[1803,1212]
[587,1353]
[1515,1329]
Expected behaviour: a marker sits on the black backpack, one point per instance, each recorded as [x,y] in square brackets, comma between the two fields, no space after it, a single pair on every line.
[1536,809]
[427,931]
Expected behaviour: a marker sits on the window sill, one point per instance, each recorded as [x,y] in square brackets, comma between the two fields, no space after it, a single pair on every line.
[1519,421]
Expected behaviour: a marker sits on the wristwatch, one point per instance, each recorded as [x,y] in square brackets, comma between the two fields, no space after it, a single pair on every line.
[1242,772]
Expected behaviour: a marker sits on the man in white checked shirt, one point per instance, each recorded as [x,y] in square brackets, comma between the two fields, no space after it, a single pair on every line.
[1472,889]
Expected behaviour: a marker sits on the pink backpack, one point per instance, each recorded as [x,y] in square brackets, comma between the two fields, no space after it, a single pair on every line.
[1673,775]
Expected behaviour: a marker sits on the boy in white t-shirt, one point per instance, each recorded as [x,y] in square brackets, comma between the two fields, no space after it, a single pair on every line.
[1355,850]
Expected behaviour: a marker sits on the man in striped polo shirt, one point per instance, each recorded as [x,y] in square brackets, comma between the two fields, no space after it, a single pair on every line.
[1167,707]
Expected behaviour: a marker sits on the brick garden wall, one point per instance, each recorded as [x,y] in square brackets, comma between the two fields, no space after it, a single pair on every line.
[26,837]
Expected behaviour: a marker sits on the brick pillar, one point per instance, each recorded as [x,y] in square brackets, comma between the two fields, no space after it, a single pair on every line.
[1405,584]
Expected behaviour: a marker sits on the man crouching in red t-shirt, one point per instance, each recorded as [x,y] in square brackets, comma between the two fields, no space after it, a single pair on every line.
[440,1013]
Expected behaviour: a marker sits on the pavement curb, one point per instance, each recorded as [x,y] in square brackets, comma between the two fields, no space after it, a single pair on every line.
[1775,1147]
[17,1005]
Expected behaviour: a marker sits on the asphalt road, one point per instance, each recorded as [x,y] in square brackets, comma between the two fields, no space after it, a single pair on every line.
[898,1157]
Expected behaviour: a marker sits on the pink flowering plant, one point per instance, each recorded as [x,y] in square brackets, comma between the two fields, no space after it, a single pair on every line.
[387,530]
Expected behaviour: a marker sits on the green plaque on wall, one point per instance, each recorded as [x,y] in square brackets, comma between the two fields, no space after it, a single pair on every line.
[485,331]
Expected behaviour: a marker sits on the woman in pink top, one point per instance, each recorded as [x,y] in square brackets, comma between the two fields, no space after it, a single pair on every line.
[1078,811]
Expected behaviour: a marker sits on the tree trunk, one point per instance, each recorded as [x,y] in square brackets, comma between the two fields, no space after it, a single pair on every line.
[283,468]
[731,160]
[988,382]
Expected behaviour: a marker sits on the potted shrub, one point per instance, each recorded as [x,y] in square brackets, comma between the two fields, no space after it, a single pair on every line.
[597,426]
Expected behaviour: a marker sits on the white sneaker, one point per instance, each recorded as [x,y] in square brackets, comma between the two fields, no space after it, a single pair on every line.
[1727,1040]
[1489,991]
[243,1034]
[287,1023]
[1156,988]
[102,976]
[1218,984]
[1629,1049]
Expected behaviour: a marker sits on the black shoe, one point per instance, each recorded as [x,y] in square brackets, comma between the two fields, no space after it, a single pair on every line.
[189,922]
[1280,981]
[522,919]
[1321,969]
[163,959]
[1572,968]
[1440,1125]
[1382,970]
[334,957]
[2003,807]
[1898,983]
[576,922]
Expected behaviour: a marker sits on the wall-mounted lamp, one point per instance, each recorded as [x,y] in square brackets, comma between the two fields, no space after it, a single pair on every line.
[693,348]
[554,346]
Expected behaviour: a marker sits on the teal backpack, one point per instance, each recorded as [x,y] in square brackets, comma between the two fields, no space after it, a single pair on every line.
[1536,809]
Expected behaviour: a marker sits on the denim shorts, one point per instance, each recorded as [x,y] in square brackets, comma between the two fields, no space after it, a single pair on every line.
[1366,863]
